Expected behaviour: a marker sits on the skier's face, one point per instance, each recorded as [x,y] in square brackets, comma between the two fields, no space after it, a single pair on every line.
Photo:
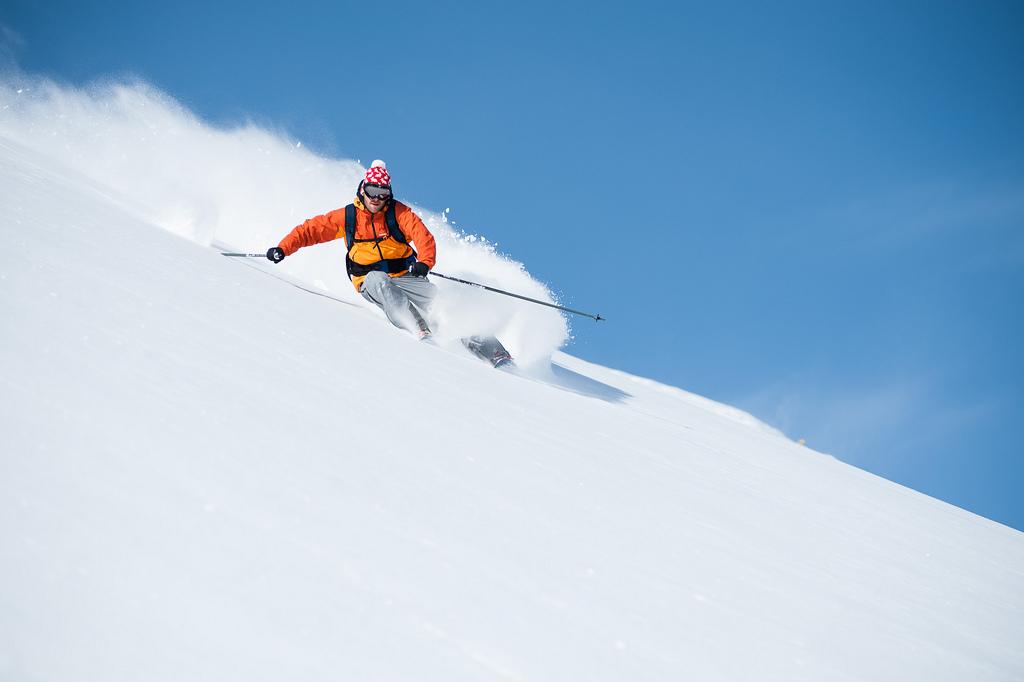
[374,204]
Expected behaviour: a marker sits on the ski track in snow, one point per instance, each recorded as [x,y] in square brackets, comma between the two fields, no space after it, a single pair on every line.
[208,472]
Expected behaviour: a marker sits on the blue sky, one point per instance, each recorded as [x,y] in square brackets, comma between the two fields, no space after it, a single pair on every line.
[813,211]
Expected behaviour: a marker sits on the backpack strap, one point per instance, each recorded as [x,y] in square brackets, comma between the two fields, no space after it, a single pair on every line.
[392,221]
[350,226]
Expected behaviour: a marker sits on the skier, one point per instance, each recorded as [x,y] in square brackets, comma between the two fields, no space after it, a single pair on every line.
[381,263]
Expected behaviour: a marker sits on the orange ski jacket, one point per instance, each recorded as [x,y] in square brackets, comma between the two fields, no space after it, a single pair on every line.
[373,241]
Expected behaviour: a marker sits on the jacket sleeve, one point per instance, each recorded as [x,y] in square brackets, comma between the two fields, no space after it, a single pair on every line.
[417,233]
[322,228]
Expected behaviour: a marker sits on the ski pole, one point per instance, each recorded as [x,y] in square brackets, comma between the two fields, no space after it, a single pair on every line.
[461,281]
[525,298]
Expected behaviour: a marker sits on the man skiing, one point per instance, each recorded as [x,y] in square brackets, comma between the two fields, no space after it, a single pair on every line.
[379,232]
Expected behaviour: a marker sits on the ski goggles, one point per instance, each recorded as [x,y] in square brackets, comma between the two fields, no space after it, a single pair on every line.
[375,192]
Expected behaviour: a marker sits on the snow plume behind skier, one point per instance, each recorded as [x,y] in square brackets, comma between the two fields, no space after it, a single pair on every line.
[240,185]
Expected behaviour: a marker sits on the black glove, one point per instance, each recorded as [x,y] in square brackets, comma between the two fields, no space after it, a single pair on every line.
[419,269]
[275,254]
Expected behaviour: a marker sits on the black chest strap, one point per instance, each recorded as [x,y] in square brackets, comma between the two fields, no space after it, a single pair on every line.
[392,265]
[389,219]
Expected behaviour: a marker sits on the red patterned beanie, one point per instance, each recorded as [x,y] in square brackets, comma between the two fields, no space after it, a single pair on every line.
[378,174]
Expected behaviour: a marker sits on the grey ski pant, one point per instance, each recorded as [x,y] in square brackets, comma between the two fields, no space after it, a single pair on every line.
[405,300]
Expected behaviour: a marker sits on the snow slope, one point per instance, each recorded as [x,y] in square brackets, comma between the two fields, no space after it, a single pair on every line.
[208,473]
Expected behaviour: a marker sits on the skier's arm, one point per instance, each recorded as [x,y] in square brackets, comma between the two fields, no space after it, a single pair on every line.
[416,232]
[322,228]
